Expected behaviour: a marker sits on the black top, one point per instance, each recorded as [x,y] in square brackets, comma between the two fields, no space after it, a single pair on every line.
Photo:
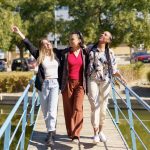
[40,76]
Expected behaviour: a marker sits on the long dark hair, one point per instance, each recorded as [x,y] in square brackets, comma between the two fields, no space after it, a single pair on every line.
[108,59]
[80,36]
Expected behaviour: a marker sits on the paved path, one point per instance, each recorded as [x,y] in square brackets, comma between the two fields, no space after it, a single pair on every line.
[114,141]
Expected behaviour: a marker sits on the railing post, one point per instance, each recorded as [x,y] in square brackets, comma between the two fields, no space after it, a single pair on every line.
[7,137]
[115,103]
[24,121]
[33,105]
[133,138]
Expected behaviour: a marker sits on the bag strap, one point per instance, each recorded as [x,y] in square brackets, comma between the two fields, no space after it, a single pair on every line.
[93,49]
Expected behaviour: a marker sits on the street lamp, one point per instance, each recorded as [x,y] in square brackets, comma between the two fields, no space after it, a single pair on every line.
[55,35]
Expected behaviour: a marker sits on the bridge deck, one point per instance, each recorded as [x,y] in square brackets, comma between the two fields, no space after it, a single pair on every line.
[37,142]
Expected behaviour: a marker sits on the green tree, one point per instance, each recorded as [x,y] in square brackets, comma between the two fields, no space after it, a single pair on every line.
[34,18]
[9,16]
[39,18]
[128,21]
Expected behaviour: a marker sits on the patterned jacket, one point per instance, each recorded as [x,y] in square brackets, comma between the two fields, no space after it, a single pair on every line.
[98,65]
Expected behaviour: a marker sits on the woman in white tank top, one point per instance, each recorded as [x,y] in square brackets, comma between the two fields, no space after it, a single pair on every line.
[46,81]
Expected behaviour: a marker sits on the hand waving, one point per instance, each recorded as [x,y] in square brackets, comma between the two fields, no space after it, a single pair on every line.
[15,29]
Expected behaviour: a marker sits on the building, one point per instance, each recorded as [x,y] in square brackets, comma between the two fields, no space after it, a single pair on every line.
[3,55]
[61,13]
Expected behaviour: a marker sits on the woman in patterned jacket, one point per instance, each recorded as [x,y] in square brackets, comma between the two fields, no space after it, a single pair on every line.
[102,64]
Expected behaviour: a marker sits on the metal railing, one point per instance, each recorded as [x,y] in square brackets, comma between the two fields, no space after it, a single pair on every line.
[5,130]
[135,137]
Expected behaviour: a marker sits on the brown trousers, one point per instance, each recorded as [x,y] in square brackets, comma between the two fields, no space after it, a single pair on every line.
[73,96]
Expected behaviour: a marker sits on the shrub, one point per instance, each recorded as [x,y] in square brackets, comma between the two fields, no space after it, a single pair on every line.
[14,81]
[148,76]
[131,72]
[137,67]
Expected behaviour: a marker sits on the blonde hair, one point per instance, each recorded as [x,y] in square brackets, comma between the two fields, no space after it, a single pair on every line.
[42,52]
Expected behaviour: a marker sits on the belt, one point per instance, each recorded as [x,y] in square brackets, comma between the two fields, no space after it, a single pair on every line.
[50,78]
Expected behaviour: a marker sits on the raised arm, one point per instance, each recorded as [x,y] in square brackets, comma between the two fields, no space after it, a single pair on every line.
[16,30]
[33,50]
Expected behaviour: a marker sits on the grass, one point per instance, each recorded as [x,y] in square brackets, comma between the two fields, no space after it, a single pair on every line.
[14,122]
[17,136]
[124,127]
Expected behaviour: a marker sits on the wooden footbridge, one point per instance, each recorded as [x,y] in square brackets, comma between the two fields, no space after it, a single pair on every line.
[37,142]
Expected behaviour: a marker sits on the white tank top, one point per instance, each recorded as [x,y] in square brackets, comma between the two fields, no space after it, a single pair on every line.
[50,67]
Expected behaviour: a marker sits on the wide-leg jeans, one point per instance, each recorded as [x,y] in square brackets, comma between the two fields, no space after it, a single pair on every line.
[49,102]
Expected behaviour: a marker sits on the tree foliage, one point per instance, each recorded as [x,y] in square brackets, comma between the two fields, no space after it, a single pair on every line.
[128,21]
[34,18]
[39,17]
[8,17]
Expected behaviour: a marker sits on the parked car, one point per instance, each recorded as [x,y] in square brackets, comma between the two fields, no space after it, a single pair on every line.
[32,63]
[3,65]
[20,64]
[144,58]
[140,56]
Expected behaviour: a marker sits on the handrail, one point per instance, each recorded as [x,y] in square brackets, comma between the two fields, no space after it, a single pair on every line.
[131,111]
[130,121]
[135,95]
[9,118]
[6,127]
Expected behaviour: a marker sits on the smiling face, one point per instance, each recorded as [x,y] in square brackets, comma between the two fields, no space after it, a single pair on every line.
[46,44]
[45,49]
[105,37]
[74,40]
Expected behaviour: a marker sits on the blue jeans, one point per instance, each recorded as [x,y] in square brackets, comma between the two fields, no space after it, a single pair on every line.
[49,102]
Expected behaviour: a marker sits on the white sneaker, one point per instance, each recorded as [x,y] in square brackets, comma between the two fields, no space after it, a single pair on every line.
[102,137]
[96,139]
[76,141]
